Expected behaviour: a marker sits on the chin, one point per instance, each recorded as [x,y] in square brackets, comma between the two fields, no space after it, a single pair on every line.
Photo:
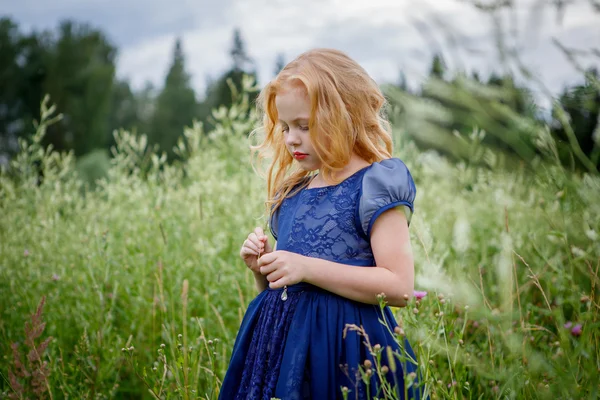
[309,168]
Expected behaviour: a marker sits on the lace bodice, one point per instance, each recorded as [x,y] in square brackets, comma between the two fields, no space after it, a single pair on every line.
[335,222]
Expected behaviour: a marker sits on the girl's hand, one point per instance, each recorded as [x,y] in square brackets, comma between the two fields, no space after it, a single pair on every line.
[254,247]
[282,268]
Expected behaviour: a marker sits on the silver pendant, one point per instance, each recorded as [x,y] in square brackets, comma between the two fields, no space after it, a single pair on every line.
[284,294]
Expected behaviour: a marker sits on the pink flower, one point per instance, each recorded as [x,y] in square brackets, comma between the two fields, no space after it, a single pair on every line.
[419,294]
[568,325]
[576,331]
[26,253]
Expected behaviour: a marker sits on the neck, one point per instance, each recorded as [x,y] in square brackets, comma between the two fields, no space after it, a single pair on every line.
[356,163]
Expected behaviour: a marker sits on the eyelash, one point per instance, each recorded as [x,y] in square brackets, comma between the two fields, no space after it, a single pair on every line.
[302,128]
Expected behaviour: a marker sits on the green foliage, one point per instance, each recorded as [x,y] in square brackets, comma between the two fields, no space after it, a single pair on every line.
[80,73]
[145,290]
[21,68]
[93,166]
[222,92]
[75,65]
[438,67]
[175,106]
[127,109]
[238,51]
[577,122]
[507,117]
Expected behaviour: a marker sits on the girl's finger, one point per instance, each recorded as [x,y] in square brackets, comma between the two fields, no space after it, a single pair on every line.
[268,247]
[266,269]
[274,276]
[252,246]
[248,251]
[260,234]
[278,284]
[254,239]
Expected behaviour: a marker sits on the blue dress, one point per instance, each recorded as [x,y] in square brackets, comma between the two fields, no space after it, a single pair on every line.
[298,348]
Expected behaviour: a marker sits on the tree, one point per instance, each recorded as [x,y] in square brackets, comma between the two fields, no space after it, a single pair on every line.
[10,75]
[176,105]
[219,92]
[79,79]
[22,76]
[238,51]
[75,66]
[402,83]
[126,110]
[279,63]
[582,105]
[505,111]
[438,67]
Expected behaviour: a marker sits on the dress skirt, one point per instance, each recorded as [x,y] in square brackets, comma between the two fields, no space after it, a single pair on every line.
[303,348]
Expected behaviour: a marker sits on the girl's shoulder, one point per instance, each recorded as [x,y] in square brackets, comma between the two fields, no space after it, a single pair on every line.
[385,184]
[389,174]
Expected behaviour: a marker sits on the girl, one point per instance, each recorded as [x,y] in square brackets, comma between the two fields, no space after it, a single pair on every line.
[334,195]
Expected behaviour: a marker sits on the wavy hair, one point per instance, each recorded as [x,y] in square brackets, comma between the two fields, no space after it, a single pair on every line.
[346,116]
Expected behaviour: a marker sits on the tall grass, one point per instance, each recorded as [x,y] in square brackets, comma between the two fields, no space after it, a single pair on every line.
[144,291]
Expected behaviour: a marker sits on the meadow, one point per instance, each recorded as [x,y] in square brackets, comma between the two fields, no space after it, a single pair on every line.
[133,287]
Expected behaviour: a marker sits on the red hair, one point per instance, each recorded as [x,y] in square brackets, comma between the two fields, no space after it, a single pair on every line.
[346,117]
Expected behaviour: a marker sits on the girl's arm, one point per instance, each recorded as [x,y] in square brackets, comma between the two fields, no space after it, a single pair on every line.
[261,281]
[393,275]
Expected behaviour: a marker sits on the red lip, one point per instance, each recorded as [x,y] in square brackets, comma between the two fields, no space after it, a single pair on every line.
[299,156]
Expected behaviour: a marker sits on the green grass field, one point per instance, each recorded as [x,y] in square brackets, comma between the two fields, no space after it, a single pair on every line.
[144,291]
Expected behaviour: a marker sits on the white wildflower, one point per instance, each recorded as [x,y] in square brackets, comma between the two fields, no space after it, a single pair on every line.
[461,235]
[577,252]
[591,234]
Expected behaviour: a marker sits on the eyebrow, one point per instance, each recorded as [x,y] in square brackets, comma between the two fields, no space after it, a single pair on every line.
[296,120]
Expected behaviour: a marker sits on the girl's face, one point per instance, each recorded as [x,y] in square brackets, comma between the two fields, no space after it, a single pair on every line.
[293,107]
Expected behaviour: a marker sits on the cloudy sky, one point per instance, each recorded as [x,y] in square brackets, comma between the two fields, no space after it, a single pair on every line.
[385,36]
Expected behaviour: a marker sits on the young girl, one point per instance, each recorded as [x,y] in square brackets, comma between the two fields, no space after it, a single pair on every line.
[339,209]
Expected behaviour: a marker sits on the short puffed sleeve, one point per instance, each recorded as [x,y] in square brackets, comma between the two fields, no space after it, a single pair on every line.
[385,185]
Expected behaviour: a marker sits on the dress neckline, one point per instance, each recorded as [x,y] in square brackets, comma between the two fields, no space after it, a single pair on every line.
[337,184]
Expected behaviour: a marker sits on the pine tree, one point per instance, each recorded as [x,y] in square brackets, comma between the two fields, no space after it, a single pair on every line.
[582,105]
[402,83]
[176,105]
[438,67]
[11,108]
[80,75]
[238,51]
[219,93]
[279,63]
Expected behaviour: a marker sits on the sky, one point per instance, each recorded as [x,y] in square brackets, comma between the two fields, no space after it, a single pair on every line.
[384,36]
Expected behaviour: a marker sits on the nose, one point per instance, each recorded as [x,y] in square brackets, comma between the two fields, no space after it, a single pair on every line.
[292,138]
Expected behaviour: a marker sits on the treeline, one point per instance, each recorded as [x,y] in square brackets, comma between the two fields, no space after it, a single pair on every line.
[451,102]
[75,65]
